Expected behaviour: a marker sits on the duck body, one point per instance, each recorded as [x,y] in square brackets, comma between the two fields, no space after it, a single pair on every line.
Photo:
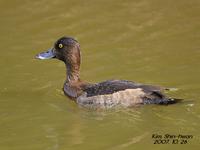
[107,94]
[112,93]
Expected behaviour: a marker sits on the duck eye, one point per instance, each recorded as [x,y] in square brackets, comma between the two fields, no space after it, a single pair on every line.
[60,45]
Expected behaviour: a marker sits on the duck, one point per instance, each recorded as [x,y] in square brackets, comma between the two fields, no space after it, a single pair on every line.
[106,94]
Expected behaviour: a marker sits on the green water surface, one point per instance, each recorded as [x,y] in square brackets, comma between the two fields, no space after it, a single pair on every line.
[148,41]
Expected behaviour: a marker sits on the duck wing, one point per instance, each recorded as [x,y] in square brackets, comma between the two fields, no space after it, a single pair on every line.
[112,86]
[150,94]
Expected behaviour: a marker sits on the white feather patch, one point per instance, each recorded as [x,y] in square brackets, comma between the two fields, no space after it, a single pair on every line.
[128,97]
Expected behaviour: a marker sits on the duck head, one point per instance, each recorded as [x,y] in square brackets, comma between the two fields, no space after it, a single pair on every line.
[67,50]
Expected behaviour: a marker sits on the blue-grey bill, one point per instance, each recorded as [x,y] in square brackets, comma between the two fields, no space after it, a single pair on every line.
[46,55]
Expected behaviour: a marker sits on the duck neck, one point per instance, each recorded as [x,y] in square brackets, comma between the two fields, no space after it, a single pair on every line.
[72,73]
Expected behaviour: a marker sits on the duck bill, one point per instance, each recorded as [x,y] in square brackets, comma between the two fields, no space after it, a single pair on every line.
[46,55]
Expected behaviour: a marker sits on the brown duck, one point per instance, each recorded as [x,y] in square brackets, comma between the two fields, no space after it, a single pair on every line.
[104,94]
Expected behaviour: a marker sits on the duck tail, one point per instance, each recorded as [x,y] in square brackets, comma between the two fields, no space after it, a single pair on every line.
[163,101]
[169,101]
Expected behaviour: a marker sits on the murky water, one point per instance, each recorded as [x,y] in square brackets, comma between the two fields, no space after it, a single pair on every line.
[148,41]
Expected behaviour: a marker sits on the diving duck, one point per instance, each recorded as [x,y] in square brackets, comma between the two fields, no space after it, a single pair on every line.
[104,94]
